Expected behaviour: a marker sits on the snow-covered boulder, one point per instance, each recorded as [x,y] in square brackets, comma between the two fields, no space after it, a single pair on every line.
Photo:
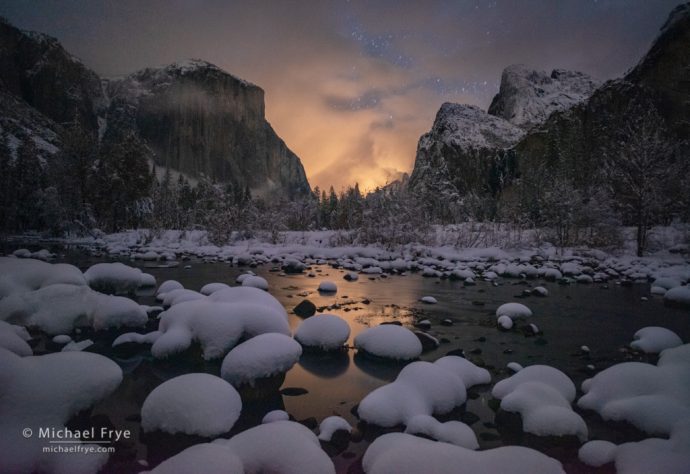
[399,452]
[678,297]
[215,459]
[13,338]
[58,309]
[597,453]
[422,388]
[255,282]
[327,286]
[211,288]
[194,404]
[514,311]
[275,415]
[654,339]
[389,341]
[326,332]
[180,295]
[23,275]
[330,425]
[260,357]
[452,432]
[45,392]
[540,291]
[117,278]
[652,398]
[294,449]
[428,300]
[166,287]
[505,322]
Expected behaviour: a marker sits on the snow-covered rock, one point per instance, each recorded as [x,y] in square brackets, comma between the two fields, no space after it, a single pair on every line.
[275,415]
[194,404]
[678,296]
[597,453]
[326,332]
[117,278]
[330,425]
[654,339]
[23,275]
[180,295]
[514,311]
[45,392]
[13,338]
[211,288]
[453,432]
[395,453]
[260,357]
[58,309]
[389,341]
[255,282]
[215,459]
[166,287]
[505,322]
[422,388]
[428,300]
[652,398]
[327,286]
[294,449]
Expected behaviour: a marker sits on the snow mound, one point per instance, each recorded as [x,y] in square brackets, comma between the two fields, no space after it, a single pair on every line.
[537,373]
[452,432]
[166,287]
[330,425]
[275,415]
[654,339]
[652,398]
[514,311]
[214,458]
[219,321]
[45,392]
[255,282]
[195,404]
[23,275]
[678,296]
[211,288]
[505,322]
[13,338]
[396,453]
[428,300]
[294,449]
[117,278]
[389,341]
[597,453]
[327,286]
[262,356]
[422,388]
[326,332]
[58,309]
[180,295]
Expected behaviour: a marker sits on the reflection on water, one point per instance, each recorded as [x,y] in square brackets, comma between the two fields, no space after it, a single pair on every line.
[604,318]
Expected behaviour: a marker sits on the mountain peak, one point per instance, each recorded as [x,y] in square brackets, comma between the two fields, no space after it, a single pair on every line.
[527,96]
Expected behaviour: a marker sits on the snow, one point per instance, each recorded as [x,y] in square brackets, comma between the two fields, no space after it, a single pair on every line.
[428,300]
[422,388]
[678,296]
[396,453]
[23,275]
[13,338]
[59,308]
[351,276]
[597,453]
[540,291]
[330,425]
[654,339]
[74,346]
[514,310]
[167,286]
[211,288]
[326,332]
[389,341]
[215,459]
[505,322]
[255,282]
[652,398]
[195,404]
[275,415]
[294,449]
[452,432]
[262,356]
[117,278]
[62,339]
[46,391]
[148,338]
[327,286]
[180,295]
[514,366]
[537,373]
[666,283]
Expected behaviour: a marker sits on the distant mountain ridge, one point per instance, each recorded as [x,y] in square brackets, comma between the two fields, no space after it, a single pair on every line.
[193,117]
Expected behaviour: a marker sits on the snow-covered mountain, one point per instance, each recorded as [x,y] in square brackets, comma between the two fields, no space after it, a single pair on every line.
[528,97]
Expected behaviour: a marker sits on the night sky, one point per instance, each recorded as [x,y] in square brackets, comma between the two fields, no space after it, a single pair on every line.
[350,86]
